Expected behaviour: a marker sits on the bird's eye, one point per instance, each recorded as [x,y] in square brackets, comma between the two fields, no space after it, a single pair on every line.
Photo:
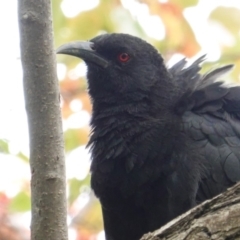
[123,57]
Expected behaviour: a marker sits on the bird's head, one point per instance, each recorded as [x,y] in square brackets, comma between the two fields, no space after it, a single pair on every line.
[118,64]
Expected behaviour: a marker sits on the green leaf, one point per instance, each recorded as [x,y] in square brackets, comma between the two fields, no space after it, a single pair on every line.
[231,22]
[74,187]
[23,157]
[20,203]
[74,138]
[4,146]
[185,3]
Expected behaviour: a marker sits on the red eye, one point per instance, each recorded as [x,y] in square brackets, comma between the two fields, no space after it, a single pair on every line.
[123,57]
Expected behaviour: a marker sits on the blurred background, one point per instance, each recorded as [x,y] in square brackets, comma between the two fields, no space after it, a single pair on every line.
[177,28]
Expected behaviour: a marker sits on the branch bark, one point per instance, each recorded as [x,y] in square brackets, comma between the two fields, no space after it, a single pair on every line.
[41,90]
[216,219]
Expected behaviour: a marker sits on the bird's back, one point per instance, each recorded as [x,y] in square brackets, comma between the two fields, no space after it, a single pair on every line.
[210,115]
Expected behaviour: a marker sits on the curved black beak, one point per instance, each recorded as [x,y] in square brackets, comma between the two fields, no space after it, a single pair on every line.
[84,50]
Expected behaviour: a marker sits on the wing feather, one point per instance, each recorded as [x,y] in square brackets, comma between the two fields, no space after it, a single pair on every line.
[210,113]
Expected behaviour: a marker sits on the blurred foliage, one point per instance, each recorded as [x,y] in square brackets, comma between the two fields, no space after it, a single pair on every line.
[231,24]
[23,157]
[73,138]
[113,16]
[7,231]
[21,202]
[4,146]
[75,186]
[179,35]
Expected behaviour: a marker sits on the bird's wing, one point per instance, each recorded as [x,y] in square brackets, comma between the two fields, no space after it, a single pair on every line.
[211,119]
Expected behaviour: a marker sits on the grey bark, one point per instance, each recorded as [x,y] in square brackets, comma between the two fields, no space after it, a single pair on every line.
[216,219]
[41,90]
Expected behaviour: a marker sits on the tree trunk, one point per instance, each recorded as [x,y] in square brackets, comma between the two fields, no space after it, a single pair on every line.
[216,219]
[48,183]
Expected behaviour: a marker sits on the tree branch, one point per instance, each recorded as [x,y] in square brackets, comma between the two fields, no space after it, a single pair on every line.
[216,219]
[48,184]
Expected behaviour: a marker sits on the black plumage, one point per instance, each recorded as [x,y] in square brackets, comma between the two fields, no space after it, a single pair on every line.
[163,140]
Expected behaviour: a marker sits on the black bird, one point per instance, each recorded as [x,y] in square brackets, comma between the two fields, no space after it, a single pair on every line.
[163,140]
